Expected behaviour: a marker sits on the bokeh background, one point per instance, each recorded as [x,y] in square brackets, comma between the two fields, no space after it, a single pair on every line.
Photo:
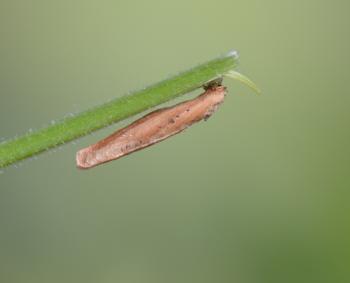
[259,193]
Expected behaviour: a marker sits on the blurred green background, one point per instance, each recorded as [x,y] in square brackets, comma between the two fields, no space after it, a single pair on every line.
[259,193]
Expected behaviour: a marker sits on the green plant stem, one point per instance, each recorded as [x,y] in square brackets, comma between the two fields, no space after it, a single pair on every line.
[116,110]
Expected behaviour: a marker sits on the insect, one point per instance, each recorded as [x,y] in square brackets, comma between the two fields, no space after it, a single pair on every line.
[158,125]
[153,127]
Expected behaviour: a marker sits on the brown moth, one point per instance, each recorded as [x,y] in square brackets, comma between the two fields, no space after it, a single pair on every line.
[152,128]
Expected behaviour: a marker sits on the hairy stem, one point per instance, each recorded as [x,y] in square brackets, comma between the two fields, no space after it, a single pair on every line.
[83,123]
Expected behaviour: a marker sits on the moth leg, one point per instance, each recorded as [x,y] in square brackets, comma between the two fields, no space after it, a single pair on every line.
[213,84]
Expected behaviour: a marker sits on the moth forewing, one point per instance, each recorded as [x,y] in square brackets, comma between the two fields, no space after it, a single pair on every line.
[152,128]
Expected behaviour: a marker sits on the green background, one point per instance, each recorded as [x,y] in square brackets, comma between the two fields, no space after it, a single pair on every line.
[259,193]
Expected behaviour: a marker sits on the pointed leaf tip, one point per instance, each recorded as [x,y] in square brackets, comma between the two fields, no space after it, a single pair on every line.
[243,79]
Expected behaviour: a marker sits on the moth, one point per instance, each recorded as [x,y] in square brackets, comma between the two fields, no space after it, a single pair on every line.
[158,125]
[153,128]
